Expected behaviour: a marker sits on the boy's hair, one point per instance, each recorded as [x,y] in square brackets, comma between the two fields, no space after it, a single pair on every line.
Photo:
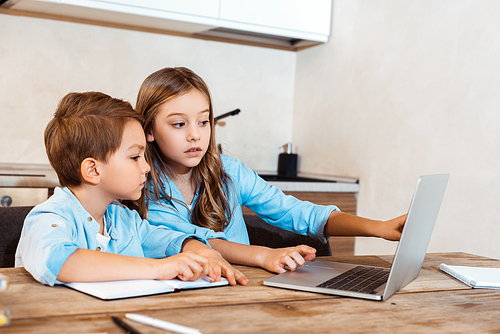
[212,208]
[85,125]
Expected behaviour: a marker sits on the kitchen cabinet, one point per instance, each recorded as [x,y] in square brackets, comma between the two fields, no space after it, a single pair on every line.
[208,9]
[289,18]
[26,184]
[23,196]
[283,24]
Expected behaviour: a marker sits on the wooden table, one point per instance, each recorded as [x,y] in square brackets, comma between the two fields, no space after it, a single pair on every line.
[433,303]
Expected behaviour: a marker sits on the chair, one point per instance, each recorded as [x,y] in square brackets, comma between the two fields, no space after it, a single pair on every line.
[11,224]
[259,232]
[263,234]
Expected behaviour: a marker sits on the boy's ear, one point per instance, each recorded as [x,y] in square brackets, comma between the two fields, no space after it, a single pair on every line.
[88,169]
[150,137]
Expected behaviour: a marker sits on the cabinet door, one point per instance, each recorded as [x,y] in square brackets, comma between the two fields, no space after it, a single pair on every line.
[291,18]
[188,16]
[203,8]
[23,196]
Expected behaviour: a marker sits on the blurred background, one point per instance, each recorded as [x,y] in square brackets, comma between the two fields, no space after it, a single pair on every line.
[398,90]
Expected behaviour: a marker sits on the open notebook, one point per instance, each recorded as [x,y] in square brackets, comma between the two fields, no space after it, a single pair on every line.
[135,288]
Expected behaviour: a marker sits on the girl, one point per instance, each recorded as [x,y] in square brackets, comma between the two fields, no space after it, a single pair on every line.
[193,189]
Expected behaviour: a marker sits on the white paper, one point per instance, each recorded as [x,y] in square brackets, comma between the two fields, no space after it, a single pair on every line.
[134,288]
[476,277]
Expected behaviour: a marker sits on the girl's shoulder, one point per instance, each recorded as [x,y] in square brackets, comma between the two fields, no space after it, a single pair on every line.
[233,166]
[230,162]
[227,160]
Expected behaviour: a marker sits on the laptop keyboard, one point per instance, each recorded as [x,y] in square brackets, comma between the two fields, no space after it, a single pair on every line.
[358,279]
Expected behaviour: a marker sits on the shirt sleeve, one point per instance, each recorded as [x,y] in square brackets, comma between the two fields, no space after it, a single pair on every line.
[278,209]
[159,241]
[46,243]
[165,215]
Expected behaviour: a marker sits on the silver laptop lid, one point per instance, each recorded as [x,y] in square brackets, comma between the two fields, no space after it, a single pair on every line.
[417,231]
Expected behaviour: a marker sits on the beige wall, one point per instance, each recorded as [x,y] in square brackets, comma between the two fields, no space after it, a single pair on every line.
[42,60]
[403,88]
[406,88]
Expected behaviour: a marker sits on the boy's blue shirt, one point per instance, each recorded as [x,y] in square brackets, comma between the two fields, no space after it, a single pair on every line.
[250,190]
[56,228]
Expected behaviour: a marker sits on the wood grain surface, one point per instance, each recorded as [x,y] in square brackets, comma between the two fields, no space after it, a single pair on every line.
[433,303]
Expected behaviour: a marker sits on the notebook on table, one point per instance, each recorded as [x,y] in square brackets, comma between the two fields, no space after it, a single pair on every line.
[135,288]
[375,283]
[476,277]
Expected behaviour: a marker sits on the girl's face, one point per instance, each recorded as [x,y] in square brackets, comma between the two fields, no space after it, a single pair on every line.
[181,130]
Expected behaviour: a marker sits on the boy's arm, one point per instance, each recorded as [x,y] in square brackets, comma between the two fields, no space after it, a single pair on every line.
[217,261]
[343,224]
[86,265]
[270,259]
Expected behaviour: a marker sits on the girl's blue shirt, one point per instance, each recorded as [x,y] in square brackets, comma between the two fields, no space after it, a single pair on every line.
[56,228]
[250,190]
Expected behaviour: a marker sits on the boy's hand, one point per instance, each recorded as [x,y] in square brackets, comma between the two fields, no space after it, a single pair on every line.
[391,229]
[187,266]
[217,263]
[276,260]
[221,267]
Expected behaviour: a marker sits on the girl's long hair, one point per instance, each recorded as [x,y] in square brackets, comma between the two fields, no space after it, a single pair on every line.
[212,208]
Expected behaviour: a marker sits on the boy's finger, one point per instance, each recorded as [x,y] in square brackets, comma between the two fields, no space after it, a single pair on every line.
[211,273]
[240,278]
[228,272]
[217,270]
[185,273]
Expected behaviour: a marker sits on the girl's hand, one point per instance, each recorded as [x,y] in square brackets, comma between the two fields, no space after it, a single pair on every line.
[276,260]
[187,266]
[391,229]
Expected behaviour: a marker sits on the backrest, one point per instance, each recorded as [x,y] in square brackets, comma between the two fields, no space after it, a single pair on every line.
[259,232]
[11,224]
[264,234]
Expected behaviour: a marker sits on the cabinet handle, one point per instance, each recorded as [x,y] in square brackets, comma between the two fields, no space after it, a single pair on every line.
[6,201]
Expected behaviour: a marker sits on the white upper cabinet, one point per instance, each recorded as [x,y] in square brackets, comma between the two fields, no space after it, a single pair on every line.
[300,19]
[277,23]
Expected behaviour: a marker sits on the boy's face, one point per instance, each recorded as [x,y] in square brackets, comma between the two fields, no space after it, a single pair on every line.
[182,130]
[124,175]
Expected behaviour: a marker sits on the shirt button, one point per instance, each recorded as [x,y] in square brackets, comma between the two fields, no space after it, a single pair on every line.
[54,225]
[98,249]
[89,219]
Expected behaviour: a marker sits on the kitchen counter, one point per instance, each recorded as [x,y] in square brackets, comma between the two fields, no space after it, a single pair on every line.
[27,176]
[312,182]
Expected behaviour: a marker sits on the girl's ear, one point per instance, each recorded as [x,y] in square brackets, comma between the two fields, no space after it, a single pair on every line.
[88,169]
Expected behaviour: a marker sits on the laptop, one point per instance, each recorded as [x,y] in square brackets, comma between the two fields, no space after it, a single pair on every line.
[376,283]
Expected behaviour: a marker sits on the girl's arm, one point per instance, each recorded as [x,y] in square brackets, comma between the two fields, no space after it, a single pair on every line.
[343,224]
[270,259]
[86,265]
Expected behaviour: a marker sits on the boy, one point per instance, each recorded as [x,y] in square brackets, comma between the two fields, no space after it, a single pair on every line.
[96,144]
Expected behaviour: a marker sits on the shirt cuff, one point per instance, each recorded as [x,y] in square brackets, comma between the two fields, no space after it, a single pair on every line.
[57,256]
[175,247]
[320,232]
